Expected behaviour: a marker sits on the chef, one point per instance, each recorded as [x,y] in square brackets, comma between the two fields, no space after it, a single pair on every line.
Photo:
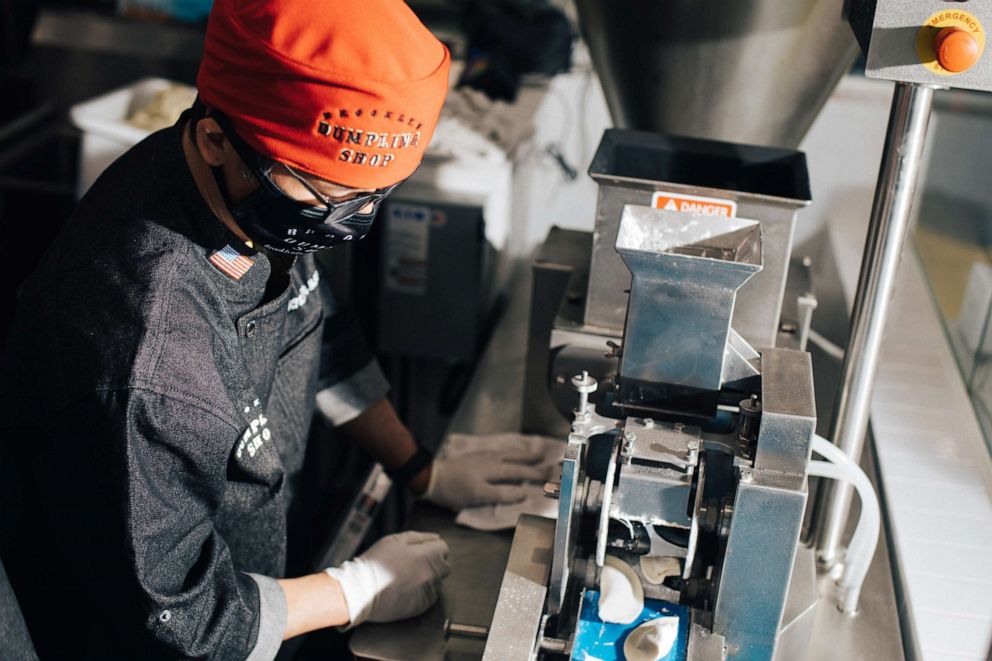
[166,357]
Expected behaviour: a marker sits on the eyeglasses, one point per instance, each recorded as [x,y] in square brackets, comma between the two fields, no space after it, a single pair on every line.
[327,210]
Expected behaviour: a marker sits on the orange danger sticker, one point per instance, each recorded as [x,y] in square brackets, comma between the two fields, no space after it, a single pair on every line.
[707,206]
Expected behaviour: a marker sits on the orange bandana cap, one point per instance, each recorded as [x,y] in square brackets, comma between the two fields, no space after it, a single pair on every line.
[347,90]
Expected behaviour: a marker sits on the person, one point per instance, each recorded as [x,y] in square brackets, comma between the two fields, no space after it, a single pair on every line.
[166,355]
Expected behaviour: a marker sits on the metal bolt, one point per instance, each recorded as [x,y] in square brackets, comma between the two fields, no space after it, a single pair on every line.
[585,384]
[648,423]
[746,474]
[678,426]
[464,630]
[555,645]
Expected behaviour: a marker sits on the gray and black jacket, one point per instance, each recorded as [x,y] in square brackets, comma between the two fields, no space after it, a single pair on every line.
[152,412]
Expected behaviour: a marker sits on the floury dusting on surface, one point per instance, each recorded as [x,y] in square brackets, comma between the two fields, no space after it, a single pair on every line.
[646,229]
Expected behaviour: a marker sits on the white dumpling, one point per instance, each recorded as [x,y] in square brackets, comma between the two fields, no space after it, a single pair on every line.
[652,640]
[657,568]
[621,596]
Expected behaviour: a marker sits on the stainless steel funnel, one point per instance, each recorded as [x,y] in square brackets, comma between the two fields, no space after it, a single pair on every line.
[754,71]
[767,184]
[686,270]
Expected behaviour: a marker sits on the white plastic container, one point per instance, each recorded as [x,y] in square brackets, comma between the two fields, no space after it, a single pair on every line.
[106,133]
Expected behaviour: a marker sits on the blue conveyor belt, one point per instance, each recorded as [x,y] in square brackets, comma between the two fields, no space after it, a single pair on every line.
[602,641]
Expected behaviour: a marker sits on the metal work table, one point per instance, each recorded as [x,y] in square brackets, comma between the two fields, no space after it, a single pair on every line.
[493,403]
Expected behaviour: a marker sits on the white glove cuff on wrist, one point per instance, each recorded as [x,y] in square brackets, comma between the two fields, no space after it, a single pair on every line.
[359,603]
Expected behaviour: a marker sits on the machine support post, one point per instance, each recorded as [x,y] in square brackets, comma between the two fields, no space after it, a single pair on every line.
[887,232]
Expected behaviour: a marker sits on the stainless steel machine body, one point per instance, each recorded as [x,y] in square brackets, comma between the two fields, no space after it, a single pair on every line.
[686,477]
[719,493]
[741,519]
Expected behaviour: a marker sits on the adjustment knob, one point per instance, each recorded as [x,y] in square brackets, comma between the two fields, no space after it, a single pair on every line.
[957,49]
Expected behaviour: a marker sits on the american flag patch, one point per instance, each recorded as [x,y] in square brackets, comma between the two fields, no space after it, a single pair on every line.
[230,262]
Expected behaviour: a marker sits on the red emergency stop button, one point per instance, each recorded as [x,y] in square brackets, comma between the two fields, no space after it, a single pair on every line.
[957,49]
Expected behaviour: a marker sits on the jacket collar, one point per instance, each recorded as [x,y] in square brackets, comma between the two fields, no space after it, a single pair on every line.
[206,232]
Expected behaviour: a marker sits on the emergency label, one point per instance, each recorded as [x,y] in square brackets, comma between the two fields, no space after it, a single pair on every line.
[946,18]
[706,206]
[407,240]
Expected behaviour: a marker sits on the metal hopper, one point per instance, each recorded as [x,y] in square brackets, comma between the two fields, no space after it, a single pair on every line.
[753,71]
[686,270]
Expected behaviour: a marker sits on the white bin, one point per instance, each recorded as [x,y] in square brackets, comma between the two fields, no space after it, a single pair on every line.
[106,133]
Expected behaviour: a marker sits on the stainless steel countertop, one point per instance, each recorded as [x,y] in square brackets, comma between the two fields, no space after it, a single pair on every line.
[493,403]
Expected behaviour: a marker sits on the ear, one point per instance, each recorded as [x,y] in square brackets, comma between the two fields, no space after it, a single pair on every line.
[211,142]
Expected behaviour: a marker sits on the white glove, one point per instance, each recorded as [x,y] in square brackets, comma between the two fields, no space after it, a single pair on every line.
[491,474]
[398,577]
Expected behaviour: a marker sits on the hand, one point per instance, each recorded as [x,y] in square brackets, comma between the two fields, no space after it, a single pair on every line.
[492,474]
[398,577]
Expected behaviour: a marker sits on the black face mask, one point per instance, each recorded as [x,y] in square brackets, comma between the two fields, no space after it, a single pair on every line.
[280,223]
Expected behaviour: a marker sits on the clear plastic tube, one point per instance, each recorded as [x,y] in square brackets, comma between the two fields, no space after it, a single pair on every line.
[858,542]
[861,550]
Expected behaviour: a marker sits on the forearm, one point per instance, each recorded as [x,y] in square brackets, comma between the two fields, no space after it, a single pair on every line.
[380,432]
[313,602]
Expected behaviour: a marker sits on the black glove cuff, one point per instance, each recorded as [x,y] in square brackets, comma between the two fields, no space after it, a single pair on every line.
[420,460]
